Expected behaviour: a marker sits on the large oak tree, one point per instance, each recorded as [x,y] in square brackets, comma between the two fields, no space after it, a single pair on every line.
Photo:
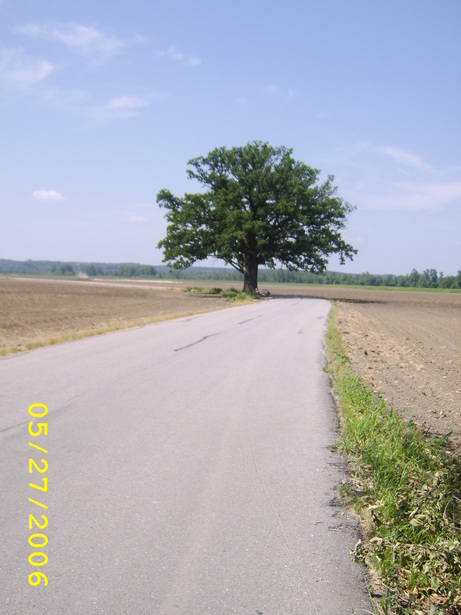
[258,206]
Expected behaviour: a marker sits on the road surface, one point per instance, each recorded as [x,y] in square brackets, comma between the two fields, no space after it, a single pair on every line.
[188,472]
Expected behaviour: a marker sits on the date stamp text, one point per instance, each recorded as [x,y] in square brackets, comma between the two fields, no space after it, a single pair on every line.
[38,430]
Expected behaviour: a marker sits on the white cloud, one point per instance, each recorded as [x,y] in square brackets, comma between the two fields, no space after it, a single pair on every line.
[77,37]
[120,108]
[127,103]
[19,71]
[47,195]
[124,107]
[172,54]
[406,158]
[412,196]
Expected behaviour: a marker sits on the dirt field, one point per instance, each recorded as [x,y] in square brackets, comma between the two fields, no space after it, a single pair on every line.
[35,311]
[407,345]
[409,349]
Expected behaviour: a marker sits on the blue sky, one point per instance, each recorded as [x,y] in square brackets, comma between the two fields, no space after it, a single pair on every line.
[103,103]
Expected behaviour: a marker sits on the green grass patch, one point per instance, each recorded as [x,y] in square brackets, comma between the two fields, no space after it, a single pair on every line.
[406,487]
[231,294]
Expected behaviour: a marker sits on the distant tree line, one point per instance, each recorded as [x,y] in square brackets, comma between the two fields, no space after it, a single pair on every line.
[223,274]
[124,270]
[429,278]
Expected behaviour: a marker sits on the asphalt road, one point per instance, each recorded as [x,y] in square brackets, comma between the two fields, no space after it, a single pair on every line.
[188,471]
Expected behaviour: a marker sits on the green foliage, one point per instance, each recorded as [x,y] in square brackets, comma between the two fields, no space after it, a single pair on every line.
[65,269]
[234,295]
[80,269]
[258,207]
[230,295]
[408,488]
[28,267]
[130,270]
[198,290]
[413,280]
[284,276]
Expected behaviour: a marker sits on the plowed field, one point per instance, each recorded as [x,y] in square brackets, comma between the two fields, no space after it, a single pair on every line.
[36,311]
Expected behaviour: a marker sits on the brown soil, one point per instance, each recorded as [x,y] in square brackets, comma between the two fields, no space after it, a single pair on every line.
[407,346]
[40,311]
[409,350]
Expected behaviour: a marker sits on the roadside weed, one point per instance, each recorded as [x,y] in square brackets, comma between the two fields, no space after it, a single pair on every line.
[406,487]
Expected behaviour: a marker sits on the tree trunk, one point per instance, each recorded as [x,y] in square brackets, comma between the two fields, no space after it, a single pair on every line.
[250,274]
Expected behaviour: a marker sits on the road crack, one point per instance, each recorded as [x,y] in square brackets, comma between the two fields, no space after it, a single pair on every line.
[195,343]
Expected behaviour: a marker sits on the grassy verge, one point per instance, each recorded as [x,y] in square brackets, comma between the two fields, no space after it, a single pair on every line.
[406,487]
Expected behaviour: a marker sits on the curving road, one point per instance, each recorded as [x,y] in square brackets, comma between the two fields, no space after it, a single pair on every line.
[188,471]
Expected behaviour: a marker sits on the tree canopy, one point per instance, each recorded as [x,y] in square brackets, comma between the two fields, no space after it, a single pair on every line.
[258,206]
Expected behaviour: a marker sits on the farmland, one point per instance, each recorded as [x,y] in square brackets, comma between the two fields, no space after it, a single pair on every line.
[406,345]
[36,311]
